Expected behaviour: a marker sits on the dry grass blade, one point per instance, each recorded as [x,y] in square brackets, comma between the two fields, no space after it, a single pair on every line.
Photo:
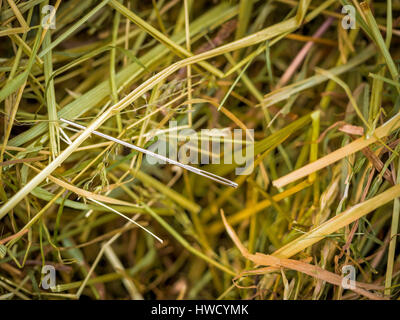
[314,271]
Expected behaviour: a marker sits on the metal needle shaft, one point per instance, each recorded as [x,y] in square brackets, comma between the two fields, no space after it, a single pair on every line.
[198,171]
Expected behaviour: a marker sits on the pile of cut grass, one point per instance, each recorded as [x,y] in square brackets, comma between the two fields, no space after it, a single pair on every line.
[322,199]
